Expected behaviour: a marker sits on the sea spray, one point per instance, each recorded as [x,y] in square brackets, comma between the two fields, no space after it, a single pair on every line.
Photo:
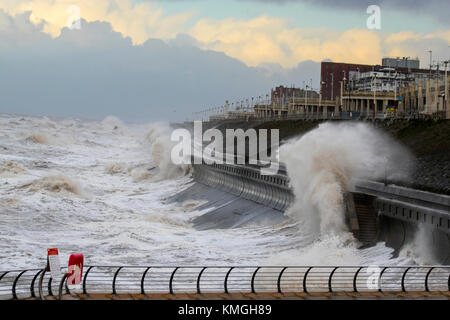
[114,125]
[322,165]
[158,138]
[326,162]
[56,183]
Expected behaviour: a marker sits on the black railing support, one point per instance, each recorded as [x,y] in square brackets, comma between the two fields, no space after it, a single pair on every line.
[426,279]
[279,280]
[85,278]
[355,289]
[225,282]
[143,279]
[33,294]
[403,279]
[304,279]
[114,280]
[253,280]
[49,287]
[15,284]
[330,289]
[171,280]
[198,280]
[41,280]
[379,279]
[61,285]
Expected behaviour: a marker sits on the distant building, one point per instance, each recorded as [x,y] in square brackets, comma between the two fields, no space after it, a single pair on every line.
[331,74]
[281,96]
[392,74]
[404,62]
[382,80]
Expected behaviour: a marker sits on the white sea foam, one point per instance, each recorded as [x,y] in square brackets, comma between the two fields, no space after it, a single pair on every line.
[158,139]
[56,183]
[326,162]
[102,197]
[123,219]
[322,165]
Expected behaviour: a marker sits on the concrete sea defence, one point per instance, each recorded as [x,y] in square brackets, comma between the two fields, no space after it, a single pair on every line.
[374,212]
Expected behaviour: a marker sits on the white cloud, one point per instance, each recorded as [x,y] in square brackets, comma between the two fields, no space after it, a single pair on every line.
[139,21]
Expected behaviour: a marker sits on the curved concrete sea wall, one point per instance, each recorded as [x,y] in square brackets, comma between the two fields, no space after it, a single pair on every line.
[375,211]
[247,182]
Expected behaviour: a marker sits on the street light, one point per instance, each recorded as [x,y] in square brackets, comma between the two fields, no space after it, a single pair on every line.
[374,93]
[446,88]
[320,96]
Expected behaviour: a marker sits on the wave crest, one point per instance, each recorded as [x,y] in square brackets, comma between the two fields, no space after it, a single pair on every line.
[326,162]
[57,183]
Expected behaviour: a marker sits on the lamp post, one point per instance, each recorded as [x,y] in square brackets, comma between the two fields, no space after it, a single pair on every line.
[320,98]
[374,79]
[332,86]
[446,87]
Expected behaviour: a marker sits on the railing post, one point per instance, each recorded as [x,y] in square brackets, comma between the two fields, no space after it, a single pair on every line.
[426,279]
[49,286]
[279,280]
[41,280]
[225,283]
[61,284]
[304,279]
[379,279]
[355,289]
[15,283]
[171,280]
[330,289]
[33,294]
[84,280]
[403,279]
[142,280]
[198,280]
[253,280]
[114,281]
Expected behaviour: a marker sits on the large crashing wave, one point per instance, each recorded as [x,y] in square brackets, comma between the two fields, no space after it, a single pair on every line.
[326,162]
[158,138]
[322,165]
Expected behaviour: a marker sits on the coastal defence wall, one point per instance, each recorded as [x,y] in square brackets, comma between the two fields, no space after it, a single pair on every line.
[426,139]
[374,211]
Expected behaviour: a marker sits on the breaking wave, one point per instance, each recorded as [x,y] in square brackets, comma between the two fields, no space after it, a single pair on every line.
[114,125]
[41,138]
[158,138]
[56,183]
[322,165]
[51,139]
[326,162]
[10,168]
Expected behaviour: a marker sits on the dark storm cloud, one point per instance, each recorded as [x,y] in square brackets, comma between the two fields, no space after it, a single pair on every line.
[435,8]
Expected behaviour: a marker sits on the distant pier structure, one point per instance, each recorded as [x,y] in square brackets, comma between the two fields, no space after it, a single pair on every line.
[396,89]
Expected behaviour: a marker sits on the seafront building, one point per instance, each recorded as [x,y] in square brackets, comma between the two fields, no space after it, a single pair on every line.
[396,88]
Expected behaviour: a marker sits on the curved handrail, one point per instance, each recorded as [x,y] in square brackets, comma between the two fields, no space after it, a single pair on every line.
[245,279]
[198,280]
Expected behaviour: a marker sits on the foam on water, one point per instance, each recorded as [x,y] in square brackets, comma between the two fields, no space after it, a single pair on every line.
[322,165]
[99,188]
[101,195]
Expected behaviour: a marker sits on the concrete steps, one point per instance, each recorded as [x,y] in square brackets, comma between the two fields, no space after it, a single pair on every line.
[367,220]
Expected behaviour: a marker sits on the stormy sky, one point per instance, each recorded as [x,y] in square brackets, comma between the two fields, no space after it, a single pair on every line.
[152,60]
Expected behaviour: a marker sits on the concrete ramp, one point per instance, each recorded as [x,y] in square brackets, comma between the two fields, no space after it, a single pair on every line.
[225,210]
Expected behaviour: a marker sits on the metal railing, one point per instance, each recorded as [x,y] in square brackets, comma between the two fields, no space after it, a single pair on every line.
[149,280]
[345,115]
